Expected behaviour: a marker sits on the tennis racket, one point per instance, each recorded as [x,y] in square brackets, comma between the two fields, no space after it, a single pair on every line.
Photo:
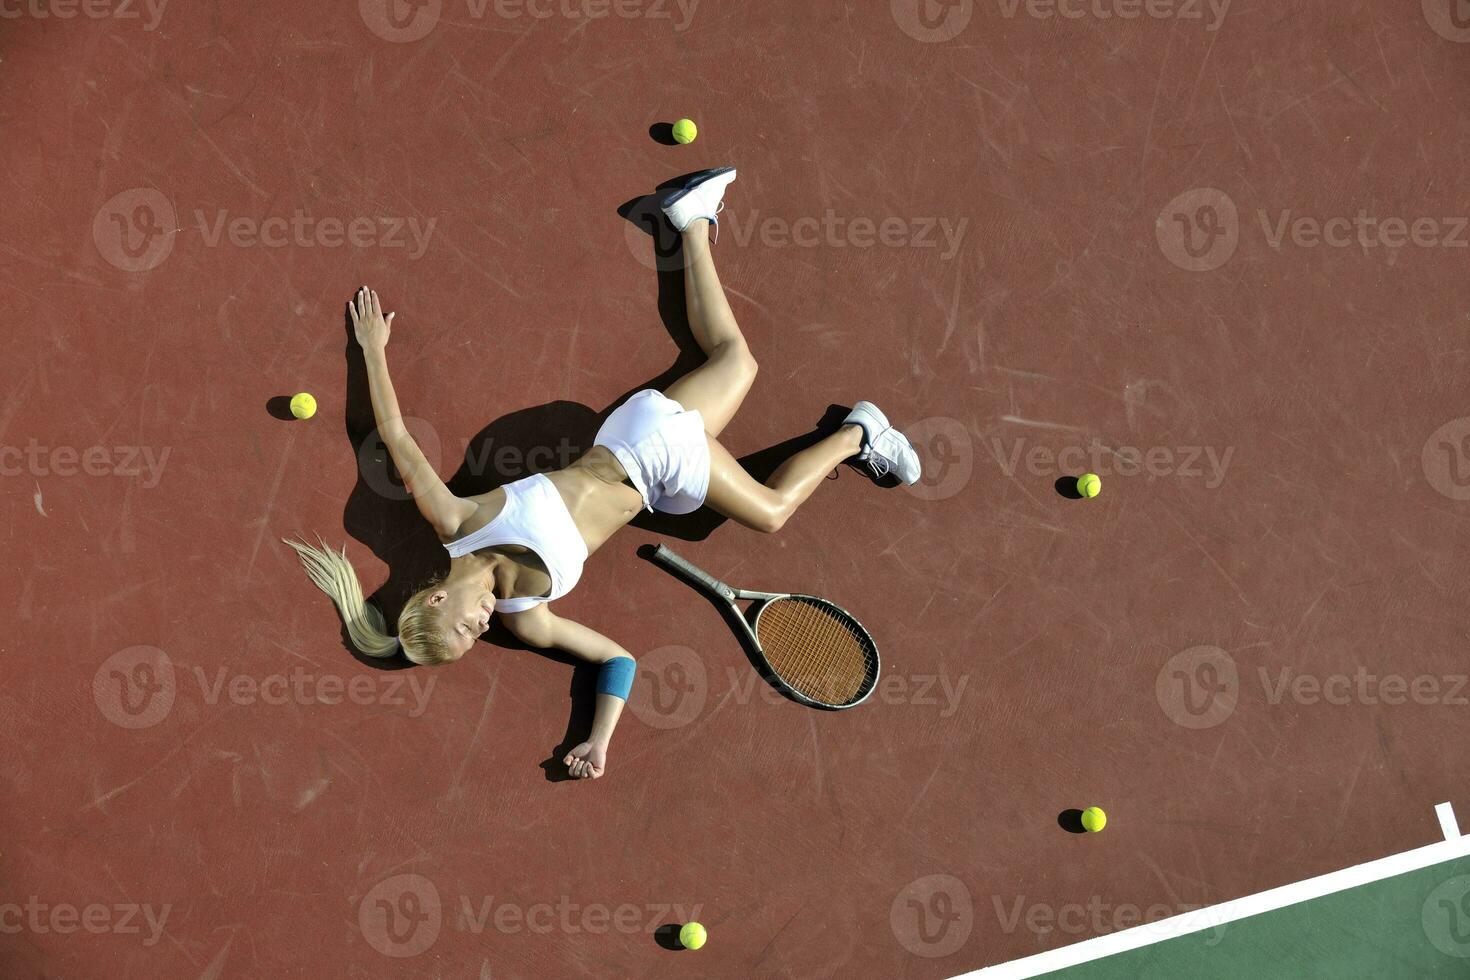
[816,651]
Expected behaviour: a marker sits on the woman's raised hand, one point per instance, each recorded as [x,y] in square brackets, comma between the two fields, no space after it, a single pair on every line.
[368,322]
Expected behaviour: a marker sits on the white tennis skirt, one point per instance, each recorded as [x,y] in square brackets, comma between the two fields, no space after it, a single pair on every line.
[664,449]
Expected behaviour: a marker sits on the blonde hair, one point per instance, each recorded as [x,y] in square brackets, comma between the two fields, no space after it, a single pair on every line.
[419,633]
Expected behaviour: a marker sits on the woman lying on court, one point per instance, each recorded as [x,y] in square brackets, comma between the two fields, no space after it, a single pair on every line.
[516,549]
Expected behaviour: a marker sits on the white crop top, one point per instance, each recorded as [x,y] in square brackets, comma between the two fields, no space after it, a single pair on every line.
[534,517]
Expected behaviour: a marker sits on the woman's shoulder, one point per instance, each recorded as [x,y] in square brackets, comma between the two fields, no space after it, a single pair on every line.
[488,506]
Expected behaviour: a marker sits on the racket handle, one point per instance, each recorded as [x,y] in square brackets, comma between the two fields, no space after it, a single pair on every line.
[666,557]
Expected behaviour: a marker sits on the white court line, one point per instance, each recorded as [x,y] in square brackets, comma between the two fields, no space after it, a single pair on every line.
[1447,822]
[1137,937]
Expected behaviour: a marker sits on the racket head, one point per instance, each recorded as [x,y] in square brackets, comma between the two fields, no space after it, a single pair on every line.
[817,651]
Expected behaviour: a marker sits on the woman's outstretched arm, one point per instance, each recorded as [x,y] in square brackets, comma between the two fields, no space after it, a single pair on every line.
[540,627]
[440,508]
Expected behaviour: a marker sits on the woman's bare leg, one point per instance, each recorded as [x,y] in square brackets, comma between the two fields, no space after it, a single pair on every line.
[765,507]
[718,386]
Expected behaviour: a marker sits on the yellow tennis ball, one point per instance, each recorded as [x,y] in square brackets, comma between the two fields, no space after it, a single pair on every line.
[692,935]
[303,406]
[1089,484]
[1093,818]
[685,131]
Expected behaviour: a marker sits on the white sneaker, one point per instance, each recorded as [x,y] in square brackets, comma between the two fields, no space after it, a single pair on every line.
[702,196]
[885,450]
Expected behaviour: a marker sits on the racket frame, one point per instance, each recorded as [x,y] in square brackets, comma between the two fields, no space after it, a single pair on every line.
[668,558]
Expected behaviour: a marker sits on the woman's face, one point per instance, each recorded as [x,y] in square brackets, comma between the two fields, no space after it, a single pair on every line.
[464,609]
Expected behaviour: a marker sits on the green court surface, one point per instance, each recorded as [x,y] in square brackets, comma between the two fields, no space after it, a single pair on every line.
[1411,925]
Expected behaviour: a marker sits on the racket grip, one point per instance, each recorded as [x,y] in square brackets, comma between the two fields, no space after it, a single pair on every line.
[666,557]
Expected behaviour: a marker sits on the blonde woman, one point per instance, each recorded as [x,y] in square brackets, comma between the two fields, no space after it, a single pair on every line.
[515,550]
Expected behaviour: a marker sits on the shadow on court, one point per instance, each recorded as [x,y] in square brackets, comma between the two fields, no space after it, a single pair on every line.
[667,936]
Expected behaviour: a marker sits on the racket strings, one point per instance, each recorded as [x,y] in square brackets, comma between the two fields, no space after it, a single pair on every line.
[817,649]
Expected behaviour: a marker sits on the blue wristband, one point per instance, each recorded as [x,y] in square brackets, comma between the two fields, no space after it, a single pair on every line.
[616,677]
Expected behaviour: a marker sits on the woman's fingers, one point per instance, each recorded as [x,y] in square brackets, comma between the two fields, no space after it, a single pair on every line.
[366,305]
[579,766]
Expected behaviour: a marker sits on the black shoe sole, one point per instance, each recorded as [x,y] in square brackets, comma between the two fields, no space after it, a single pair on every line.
[695,180]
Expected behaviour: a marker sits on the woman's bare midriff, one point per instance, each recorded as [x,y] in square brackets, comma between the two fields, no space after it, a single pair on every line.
[597,494]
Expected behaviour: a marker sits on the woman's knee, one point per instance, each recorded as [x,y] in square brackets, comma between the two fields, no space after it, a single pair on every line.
[769,522]
[747,361]
[740,361]
[772,517]
[751,510]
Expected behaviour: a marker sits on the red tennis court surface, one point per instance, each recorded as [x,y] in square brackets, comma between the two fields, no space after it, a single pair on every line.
[1217,257]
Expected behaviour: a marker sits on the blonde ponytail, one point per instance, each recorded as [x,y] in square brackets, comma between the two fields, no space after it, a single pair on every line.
[419,634]
[334,575]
